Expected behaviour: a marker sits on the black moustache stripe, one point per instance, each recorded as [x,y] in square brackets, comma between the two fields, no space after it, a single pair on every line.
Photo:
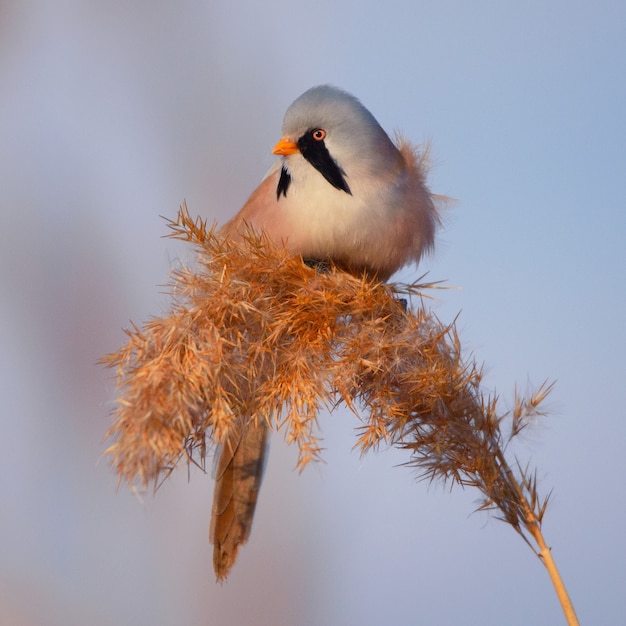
[316,153]
[283,183]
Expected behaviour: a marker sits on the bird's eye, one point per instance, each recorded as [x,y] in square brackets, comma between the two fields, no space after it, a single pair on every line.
[318,134]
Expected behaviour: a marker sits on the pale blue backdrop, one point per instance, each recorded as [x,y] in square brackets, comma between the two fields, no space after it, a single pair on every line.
[113,113]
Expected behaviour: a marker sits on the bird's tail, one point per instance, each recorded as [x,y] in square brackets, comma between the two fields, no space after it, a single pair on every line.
[238,477]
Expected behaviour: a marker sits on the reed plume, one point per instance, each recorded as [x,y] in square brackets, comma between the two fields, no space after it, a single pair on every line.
[254,331]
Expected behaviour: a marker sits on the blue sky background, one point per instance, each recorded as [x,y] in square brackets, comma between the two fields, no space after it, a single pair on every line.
[111,114]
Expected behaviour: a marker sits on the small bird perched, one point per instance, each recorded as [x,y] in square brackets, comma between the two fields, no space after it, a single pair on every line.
[341,192]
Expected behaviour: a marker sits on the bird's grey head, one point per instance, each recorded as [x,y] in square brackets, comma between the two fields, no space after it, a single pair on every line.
[330,108]
[350,142]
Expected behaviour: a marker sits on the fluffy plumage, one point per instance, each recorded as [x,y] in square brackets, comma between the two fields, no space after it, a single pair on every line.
[386,221]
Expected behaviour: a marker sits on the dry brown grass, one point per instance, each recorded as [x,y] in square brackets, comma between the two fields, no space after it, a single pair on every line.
[253,331]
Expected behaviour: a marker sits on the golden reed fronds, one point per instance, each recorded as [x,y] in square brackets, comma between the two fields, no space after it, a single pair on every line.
[254,331]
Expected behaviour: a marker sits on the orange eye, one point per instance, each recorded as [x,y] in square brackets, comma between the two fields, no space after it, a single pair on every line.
[318,134]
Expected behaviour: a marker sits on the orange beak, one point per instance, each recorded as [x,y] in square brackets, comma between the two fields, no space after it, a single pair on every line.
[285,147]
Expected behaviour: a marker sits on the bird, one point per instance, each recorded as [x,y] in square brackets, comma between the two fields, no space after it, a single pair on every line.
[342,192]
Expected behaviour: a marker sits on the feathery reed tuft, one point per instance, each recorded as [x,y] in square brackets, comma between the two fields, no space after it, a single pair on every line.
[254,331]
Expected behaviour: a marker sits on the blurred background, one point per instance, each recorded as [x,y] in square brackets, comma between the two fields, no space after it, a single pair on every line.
[113,113]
